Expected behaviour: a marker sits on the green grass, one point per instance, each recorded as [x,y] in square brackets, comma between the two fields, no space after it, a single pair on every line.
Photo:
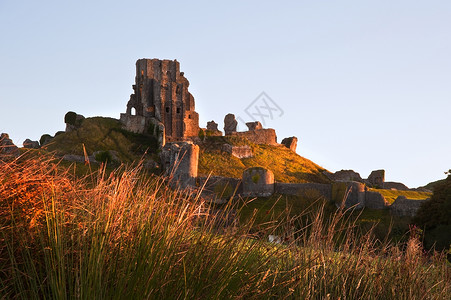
[391,195]
[103,134]
[128,236]
[286,165]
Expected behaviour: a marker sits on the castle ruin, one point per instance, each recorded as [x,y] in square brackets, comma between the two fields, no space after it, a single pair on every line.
[161,103]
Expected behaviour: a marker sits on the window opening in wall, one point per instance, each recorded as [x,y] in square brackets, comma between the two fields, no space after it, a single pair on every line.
[178,110]
[167,109]
[133,111]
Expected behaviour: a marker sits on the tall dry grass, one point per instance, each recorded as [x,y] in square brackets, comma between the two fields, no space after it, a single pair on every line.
[128,236]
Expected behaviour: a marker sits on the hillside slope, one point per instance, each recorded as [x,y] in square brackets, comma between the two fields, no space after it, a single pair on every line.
[286,165]
[103,134]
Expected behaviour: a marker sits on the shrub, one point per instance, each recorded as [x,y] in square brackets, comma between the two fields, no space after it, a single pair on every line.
[434,216]
[255,178]
[151,130]
[104,156]
[201,134]
[70,118]
[224,190]
[45,138]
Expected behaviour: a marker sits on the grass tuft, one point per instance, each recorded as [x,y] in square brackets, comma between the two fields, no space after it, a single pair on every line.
[124,235]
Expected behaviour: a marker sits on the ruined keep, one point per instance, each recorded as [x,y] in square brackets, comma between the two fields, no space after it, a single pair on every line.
[161,103]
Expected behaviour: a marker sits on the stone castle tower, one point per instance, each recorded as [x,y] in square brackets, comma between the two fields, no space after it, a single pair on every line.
[161,103]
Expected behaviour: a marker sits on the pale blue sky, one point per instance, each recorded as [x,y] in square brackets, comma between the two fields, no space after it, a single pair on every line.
[364,85]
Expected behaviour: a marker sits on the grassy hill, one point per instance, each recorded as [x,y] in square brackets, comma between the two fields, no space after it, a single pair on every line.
[431,185]
[286,165]
[103,134]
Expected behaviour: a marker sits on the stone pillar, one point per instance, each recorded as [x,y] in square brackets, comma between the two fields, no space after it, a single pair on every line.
[258,182]
[230,124]
[180,163]
[212,126]
[291,143]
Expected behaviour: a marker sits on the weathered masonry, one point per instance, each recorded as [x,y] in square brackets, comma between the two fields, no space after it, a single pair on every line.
[161,103]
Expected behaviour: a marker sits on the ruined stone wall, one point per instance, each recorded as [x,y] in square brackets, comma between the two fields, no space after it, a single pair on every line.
[406,207]
[136,124]
[291,143]
[375,200]
[356,195]
[219,187]
[301,188]
[377,178]
[344,175]
[259,136]
[238,151]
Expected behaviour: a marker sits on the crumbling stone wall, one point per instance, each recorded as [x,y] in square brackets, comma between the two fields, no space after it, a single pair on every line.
[7,147]
[344,175]
[238,151]
[375,200]
[260,136]
[291,143]
[161,94]
[299,188]
[258,182]
[218,187]
[256,134]
[356,195]
[212,129]
[254,125]
[377,178]
[180,163]
[406,207]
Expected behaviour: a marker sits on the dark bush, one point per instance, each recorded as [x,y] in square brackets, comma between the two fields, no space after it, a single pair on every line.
[104,156]
[201,134]
[45,138]
[70,118]
[434,216]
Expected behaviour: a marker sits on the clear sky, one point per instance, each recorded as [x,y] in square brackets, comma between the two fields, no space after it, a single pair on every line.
[364,85]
